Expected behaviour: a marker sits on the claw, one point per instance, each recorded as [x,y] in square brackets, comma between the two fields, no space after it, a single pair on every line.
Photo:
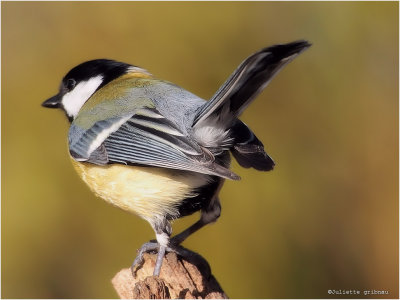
[151,246]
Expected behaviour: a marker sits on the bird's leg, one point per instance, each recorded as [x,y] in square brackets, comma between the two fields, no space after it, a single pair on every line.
[160,258]
[163,234]
[166,244]
[179,238]
[209,215]
[163,231]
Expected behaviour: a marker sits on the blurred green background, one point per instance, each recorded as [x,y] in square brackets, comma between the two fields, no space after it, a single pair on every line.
[325,218]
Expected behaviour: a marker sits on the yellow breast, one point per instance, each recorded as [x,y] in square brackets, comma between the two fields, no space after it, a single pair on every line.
[149,192]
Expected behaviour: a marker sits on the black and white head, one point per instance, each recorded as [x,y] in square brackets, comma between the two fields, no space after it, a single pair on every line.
[83,81]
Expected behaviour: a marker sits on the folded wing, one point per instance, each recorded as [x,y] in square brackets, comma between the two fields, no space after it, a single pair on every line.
[144,137]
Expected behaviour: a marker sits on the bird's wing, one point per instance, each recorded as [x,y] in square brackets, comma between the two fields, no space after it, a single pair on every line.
[139,135]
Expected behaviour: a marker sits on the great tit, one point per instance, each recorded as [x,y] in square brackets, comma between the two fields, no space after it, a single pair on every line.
[156,150]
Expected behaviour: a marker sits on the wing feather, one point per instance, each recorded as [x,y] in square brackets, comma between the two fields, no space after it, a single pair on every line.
[146,138]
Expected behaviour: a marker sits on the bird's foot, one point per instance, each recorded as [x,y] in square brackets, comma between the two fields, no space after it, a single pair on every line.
[154,247]
[149,247]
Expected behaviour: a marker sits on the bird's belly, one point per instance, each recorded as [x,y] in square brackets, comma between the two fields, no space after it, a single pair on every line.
[149,192]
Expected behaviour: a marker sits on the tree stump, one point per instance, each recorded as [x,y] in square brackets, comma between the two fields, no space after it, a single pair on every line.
[183,278]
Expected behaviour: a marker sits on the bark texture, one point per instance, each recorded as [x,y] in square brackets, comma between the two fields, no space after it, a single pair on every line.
[183,278]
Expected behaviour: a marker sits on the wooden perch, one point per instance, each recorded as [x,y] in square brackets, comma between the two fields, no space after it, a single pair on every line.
[183,278]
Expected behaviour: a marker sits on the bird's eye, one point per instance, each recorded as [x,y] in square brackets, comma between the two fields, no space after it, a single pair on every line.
[70,84]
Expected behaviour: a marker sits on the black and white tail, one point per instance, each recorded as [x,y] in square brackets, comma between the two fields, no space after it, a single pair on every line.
[246,82]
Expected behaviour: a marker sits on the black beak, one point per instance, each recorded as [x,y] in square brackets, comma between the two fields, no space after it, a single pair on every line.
[53,102]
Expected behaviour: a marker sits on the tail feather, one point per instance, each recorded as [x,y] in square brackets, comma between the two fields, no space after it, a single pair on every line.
[248,150]
[216,124]
[252,156]
[246,82]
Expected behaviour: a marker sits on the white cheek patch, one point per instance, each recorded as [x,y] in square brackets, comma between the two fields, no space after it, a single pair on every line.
[74,100]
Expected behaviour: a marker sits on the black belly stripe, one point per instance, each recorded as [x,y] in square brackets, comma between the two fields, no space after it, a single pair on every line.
[204,195]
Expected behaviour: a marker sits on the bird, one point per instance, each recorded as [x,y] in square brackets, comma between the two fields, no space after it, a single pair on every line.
[156,150]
